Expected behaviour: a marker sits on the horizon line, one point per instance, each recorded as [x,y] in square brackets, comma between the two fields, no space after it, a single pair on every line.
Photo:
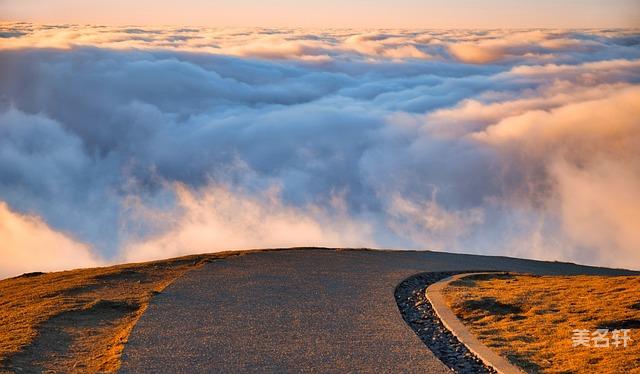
[523,28]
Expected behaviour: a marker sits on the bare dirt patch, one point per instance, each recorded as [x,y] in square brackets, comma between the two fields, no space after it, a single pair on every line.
[530,319]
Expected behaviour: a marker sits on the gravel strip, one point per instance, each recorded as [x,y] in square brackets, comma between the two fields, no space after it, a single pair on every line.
[418,313]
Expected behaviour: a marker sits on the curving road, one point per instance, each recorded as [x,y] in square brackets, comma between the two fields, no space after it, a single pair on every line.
[299,310]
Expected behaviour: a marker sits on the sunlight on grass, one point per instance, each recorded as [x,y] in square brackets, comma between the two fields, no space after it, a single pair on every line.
[530,319]
[79,320]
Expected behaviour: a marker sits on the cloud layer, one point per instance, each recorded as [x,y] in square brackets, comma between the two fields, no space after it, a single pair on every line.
[152,142]
[28,245]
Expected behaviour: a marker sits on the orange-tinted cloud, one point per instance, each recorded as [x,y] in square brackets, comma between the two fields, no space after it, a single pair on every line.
[29,244]
[582,166]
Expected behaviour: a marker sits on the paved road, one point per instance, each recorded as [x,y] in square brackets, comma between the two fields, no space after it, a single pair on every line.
[307,310]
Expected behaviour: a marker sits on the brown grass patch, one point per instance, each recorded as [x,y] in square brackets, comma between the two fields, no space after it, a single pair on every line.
[529,319]
[79,320]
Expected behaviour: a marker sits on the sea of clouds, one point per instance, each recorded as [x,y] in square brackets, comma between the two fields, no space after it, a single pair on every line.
[136,143]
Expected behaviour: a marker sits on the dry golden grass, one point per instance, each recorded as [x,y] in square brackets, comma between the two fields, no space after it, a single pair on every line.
[79,320]
[529,319]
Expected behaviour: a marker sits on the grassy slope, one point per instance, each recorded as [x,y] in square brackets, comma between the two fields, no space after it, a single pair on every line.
[83,316]
[529,319]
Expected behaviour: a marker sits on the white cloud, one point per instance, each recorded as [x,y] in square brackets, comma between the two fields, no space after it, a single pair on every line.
[218,218]
[356,130]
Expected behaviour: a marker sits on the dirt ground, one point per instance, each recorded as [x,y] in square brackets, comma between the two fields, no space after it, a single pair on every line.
[531,320]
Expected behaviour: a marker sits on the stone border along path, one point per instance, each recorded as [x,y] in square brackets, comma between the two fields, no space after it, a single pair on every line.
[451,322]
[419,314]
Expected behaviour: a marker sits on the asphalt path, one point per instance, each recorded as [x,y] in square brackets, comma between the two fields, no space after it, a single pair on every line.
[302,310]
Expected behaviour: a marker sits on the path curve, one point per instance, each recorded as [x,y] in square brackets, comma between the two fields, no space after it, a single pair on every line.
[302,310]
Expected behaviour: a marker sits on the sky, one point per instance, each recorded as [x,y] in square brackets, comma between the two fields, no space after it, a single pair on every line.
[332,13]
